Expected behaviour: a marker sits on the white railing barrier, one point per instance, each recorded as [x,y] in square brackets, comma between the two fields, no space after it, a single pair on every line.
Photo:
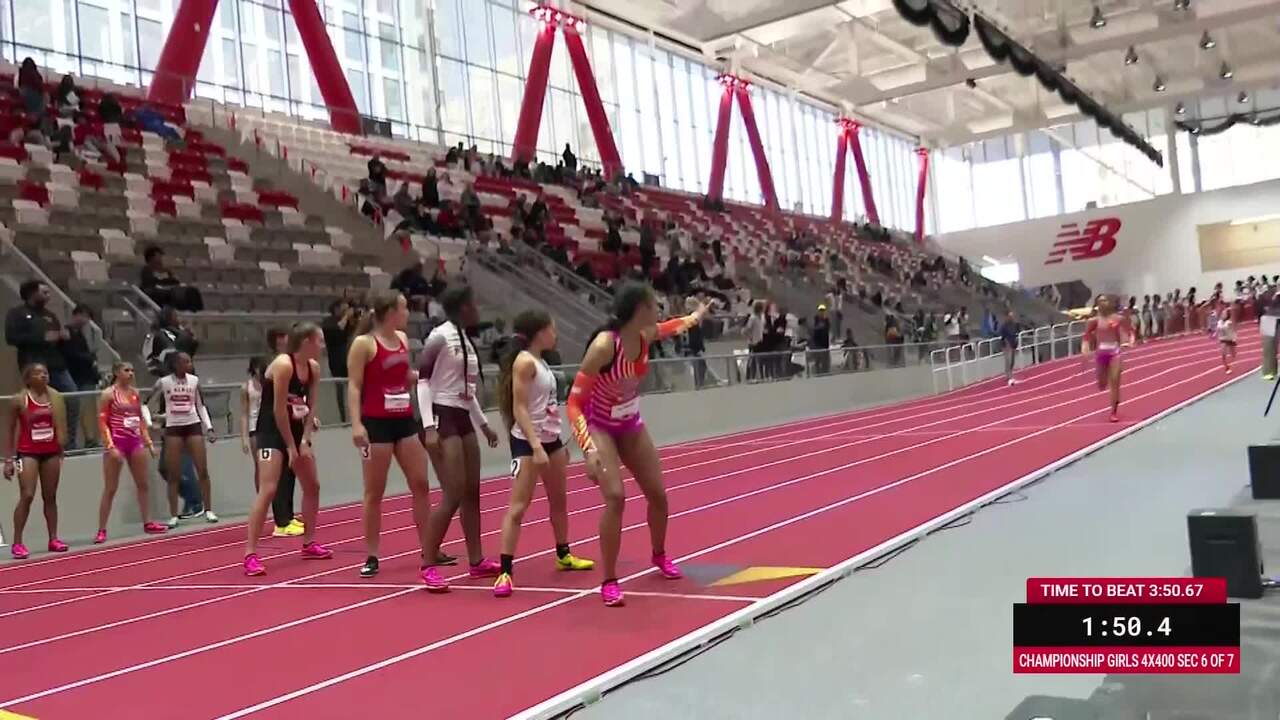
[972,361]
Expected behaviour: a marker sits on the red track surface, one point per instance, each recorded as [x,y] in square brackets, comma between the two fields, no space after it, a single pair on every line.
[171,626]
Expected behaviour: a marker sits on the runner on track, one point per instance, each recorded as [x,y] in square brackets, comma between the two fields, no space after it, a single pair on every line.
[528,398]
[35,432]
[604,413]
[284,439]
[447,377]
[1226,332]
[1105,334]
[379,378]
[123,423]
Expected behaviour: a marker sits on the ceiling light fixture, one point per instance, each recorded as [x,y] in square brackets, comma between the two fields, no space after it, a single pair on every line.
[1181,5]
[1131,57]
[1225,72]
[1179,109]
[1158,85]
[1207,42]
[1097,20]
[1243,97]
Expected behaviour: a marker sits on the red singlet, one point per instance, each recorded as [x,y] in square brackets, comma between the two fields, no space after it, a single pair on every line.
[124,417]
[385,393]
[36,431]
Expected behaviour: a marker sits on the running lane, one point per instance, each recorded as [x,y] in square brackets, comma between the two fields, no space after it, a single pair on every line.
[751,499]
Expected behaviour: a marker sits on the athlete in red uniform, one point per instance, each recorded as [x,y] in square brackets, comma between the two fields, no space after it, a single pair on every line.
[379,378]
[1105,334]
[36,428]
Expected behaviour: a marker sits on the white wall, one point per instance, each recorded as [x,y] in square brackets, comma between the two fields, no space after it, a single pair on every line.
[1157,246]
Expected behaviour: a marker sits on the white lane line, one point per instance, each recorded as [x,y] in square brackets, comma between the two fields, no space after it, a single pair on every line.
[499,623]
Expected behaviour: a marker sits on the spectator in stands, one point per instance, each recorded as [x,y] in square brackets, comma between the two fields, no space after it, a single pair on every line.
[471,207]
[431,189]
[168,336]
[35,101]
[404,204]
[149,120]
[65,98]
[820,340]
[39,337]
[448,222]
[852,354]
[412,281]
[453,155]
[162,287]
[338,329]
[570,160]
[81,353]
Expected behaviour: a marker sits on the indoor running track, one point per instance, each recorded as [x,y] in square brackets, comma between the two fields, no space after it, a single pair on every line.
[170,626]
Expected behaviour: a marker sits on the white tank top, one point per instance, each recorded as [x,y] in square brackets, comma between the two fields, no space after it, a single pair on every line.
[180,400]
[254,391]
[544,407]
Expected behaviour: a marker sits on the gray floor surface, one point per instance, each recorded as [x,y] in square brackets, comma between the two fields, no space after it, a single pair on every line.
[928,635]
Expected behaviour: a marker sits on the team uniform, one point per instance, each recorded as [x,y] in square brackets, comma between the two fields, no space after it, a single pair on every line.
[182,418]
[1227,330]
[37,431]
[614,403]
[124,422]
[385,407]
[1105,335]
[297,407]
[447,383]
[544,413]
[254,392]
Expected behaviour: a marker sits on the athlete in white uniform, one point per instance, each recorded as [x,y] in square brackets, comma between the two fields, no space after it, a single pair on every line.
[186,423]
[1227,336]
[250,406]
[529,402]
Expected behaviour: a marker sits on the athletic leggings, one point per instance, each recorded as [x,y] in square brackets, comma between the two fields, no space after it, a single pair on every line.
[282,506]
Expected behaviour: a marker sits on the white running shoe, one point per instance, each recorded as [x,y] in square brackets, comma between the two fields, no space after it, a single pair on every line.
[209,516]
[173,522]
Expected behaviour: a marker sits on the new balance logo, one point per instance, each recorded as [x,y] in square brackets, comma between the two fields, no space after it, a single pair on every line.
[1096,239]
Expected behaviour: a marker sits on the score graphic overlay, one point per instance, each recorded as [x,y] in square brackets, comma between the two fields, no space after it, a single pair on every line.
[1126,625]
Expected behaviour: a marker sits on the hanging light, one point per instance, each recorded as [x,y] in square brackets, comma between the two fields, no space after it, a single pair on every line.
[1207,42]
[1097,20]
[1181,5]
[1225,72]
[1131,57]
[1243,97]
[1158,85]
[1179,109]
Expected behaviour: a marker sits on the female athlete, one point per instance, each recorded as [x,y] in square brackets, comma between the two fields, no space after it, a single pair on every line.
[123,423]
[604,413]
[529,402]
[284,439]
[186,424]
[35,432]
[1105,334]
[1227,336]
[447,377]
[379,377]
[250,404]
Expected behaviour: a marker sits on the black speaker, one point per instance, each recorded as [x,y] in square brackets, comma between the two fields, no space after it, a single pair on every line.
[1264,471]
[1044,707]
[1224,543]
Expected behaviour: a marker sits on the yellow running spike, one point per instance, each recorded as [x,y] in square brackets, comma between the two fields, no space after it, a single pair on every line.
[6,715]
[758,574]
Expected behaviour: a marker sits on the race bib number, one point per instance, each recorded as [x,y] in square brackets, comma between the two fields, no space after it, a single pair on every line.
[265,453]
[515,467]
[1108,346]
[41,434]
[364,453]
[180,404]
[395,402]
[626,410]
[132,422]
[298,408]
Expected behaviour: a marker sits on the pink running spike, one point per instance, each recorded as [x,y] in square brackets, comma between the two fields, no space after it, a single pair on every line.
[434,582]
[20,551]
[612,594]
[155,528]
[56,545]
[100,538]
[485,568]
[253,567]
[315,551]
[666,567]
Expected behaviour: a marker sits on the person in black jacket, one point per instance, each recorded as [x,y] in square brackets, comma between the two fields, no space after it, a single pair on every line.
[163,287]
[820,341]
[38,336]
[81,353]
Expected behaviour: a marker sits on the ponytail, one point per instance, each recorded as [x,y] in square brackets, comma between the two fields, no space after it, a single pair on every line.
[526,325]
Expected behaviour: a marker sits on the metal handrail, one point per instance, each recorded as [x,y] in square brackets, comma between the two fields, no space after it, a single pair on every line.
[962,358]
